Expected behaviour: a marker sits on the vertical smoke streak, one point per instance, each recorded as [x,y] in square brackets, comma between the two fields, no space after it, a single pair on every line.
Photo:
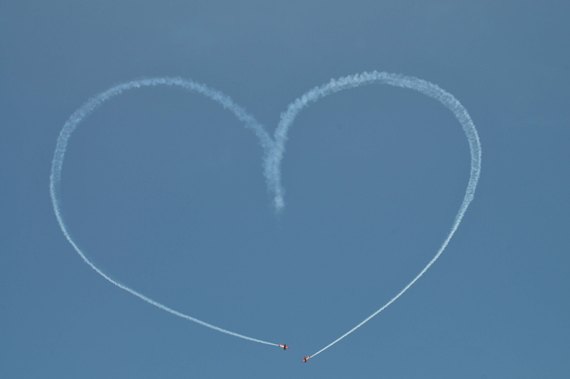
[84,111]
[273,161]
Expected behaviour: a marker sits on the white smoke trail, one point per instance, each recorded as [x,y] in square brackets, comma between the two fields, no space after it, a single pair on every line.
[274,150]
[84,111]
[273,163]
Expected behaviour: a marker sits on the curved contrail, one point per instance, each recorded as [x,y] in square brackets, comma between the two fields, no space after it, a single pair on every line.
[85,110]
[273,161]
[274,149]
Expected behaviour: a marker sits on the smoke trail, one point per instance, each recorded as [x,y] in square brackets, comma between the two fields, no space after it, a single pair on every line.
[84,111]
[274,150]
[273,163]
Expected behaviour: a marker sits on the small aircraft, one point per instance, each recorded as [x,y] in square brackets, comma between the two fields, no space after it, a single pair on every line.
[306,358]
[283,346]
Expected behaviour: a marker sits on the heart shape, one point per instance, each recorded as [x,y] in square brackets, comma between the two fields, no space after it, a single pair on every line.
[274,149]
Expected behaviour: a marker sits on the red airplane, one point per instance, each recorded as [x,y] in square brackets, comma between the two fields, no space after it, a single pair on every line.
[306,358]
[283,346]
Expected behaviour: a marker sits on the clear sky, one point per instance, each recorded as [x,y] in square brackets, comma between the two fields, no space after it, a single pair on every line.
[164,191]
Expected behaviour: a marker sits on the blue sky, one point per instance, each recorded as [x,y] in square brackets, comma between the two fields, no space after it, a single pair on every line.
[164,191]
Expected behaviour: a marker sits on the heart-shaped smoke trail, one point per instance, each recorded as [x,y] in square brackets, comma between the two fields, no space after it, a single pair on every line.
[274,150]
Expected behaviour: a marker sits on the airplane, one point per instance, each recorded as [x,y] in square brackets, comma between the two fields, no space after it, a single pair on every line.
[306,358]
[283,346]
